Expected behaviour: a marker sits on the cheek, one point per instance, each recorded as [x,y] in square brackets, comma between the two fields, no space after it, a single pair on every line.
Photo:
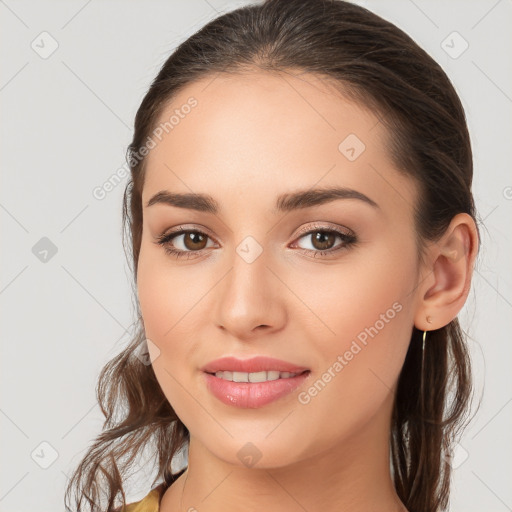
[364,310]
[168,295]
[362,290]
[172,303]
[156,297]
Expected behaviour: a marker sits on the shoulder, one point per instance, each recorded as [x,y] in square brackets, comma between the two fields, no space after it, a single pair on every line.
[150,503]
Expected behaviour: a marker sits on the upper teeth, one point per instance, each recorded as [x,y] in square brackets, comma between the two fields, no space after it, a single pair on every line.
[253,377]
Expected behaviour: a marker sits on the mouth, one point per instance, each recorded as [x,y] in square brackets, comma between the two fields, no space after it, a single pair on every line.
[256,377]
[253,365]
[253,390]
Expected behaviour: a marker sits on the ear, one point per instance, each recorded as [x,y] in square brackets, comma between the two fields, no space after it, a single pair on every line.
[445,287]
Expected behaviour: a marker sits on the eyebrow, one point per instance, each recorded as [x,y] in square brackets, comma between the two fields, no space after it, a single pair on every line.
[285,202]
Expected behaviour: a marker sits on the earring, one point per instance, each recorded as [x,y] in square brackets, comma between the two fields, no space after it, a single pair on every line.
[422,378]
[429,320]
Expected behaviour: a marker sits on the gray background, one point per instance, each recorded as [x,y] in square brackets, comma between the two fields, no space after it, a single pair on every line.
[66,122]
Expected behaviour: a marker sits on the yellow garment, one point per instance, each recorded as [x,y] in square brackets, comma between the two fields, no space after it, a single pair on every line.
[150,503]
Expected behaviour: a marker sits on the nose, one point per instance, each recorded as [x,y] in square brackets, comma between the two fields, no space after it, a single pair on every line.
[250,299]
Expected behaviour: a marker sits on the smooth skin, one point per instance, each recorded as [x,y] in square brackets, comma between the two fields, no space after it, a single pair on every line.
[251,138]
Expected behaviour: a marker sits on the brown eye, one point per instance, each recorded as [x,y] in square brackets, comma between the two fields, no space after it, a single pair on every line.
[189,243]
[323,240]
[194,241]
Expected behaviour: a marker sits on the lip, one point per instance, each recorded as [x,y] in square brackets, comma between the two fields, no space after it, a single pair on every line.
[251,395]
[254,364]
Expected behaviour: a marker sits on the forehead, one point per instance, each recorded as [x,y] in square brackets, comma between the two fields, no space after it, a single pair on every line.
[259,134]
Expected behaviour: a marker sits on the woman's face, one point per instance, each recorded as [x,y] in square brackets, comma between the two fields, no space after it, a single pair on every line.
[270,276]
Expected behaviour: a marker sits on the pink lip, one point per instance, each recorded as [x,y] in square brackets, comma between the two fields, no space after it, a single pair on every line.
[252,394]
[255,364]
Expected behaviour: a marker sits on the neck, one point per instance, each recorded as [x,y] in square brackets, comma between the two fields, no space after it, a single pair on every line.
[353,476]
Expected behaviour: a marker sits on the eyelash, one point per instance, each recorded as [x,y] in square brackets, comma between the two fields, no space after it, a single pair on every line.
[348,239]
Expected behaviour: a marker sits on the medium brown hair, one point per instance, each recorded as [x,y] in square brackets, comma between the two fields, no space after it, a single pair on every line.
[378,66]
